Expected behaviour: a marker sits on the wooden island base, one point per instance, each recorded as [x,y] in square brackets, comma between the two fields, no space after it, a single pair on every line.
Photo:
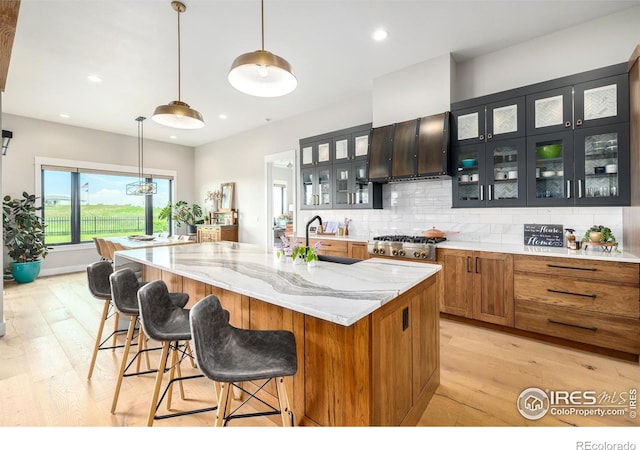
[382,370]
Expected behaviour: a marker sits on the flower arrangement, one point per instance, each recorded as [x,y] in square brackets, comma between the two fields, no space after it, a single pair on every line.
[285,248]
[298,252]
[599,234]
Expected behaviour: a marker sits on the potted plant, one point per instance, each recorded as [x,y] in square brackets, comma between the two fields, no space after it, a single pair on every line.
[599,234]
[181,213]
[24,236]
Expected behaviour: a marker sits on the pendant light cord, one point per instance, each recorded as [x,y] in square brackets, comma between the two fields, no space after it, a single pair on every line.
[262,18]
[178,53]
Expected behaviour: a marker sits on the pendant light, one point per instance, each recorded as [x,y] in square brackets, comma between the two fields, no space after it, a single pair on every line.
[261,73]
[142,186]
[178,114]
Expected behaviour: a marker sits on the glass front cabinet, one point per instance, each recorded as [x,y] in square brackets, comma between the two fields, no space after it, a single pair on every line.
[491,122]
[316,188]
[563,142]
[352,188]
[587,167]
[592,103]
[338,178]
[490,174]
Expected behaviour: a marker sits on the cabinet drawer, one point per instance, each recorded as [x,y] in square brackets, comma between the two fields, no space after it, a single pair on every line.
[331,247]
[596,296]
[609,271]
[619,333]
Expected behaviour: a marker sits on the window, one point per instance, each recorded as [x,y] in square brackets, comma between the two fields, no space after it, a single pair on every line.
[80,203]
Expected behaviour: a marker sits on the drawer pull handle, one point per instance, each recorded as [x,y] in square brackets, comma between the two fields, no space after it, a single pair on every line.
[571,293]
[555,266]
[555,322]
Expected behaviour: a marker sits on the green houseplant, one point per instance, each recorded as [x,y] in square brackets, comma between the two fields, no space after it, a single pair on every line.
[24,236]
[599,234]
[182,213]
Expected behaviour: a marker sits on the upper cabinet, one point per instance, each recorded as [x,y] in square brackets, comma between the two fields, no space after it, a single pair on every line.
[314,153]
[559,143]
[334,174]
[592,103]
[413,149]
[489,122]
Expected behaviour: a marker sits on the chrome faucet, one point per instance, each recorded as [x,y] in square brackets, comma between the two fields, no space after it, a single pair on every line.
[306,234]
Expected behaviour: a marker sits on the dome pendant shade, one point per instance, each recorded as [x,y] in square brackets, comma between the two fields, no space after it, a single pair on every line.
[178,114]
[262,74]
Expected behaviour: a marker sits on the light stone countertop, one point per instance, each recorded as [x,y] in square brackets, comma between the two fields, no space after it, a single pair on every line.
[592,252]
[339,293]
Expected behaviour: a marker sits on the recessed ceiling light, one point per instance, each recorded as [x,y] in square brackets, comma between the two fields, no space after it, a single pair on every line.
[94,78]
[380,34]
[222,116]
[173,137]
[64,116]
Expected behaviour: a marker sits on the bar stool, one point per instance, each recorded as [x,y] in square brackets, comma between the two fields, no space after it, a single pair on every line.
[124,294]
[231,355]
[167,323]
[98,280]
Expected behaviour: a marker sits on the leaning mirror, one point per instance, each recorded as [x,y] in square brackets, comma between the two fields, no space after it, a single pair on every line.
[226,200]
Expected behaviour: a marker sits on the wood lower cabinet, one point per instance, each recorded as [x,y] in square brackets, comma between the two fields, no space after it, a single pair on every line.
[336,247]
[381,371]
[214,233]
[593,302]
[358,250]
[478,285]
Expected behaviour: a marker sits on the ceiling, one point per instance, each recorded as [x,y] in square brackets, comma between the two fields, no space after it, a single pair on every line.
[132,46]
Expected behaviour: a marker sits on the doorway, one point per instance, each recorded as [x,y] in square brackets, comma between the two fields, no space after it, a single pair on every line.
[281,196]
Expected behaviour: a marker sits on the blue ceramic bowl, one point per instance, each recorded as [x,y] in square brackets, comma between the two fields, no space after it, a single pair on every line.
[469,162]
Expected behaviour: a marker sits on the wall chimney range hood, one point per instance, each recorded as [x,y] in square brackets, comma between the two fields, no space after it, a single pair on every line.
[412,150]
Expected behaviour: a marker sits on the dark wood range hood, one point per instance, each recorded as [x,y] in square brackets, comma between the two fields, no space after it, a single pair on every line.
[411,150]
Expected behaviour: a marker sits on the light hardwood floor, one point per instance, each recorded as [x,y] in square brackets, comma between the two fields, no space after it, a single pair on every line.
[51,326]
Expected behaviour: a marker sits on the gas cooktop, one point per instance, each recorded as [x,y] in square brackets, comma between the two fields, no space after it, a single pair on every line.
[404,246]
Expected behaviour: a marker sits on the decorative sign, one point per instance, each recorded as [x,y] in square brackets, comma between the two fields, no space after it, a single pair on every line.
[543,235]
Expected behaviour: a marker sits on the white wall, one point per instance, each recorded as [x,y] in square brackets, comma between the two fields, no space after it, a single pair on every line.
[591,45]
[417,91]
[38,138]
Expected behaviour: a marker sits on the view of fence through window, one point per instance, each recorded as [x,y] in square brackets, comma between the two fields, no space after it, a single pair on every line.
[103,208]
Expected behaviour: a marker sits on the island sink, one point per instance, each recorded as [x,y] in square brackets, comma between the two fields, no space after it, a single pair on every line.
[338,259]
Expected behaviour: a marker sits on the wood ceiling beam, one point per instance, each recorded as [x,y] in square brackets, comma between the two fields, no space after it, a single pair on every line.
[8,20]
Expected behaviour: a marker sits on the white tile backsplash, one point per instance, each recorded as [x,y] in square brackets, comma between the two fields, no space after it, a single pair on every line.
[413,206]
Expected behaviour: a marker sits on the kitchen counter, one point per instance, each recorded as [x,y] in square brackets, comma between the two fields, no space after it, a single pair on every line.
[365,333]
[341,294]
[593,252]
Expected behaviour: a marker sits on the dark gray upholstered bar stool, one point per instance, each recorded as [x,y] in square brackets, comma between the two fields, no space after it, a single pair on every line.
[98,280]
[124,294]
[231,355]
[167,323]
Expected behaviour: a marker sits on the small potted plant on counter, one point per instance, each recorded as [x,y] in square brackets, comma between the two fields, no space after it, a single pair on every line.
[24,236]
[600,235]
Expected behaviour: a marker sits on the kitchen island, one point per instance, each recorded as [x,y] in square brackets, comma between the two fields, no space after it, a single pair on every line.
[367,334]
